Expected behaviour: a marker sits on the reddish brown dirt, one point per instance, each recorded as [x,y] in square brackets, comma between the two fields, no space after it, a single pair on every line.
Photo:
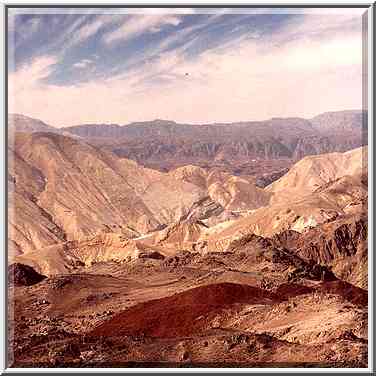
[350,292]
[190,312]
[183,314]
[289,290]
[344,289]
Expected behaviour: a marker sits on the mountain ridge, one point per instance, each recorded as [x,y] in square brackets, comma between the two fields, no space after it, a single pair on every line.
[172,122]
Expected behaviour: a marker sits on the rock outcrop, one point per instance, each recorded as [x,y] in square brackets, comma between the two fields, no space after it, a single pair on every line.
[23,275]
[341,244]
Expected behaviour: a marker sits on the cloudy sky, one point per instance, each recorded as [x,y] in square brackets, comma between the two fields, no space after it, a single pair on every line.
[193,66]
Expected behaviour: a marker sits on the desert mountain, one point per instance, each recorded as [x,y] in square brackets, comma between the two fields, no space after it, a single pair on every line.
[75,190]
[164,129]
[233,193]
[341,121]
[65,257]
[313,172]
[81,192]
[22,123]
[316,190]
[340,244]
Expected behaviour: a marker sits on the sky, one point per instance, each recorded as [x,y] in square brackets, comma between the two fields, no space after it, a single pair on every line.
[70,66]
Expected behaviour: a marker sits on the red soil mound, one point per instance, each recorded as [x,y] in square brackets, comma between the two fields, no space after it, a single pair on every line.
[182,314]
[289,290]
[348,291]
[190,312]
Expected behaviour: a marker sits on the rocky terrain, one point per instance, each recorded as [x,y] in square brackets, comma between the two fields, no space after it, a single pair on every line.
[114,264]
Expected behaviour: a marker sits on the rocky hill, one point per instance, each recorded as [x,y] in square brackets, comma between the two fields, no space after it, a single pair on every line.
[22,123]
[317,189]
[313,172]
[341,121]
[65,189]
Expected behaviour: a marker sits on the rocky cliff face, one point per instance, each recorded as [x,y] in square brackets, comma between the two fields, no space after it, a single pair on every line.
[342,244]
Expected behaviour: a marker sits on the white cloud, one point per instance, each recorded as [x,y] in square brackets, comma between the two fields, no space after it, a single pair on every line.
[88,30]
[84,63]
[66,38]
[84,28]
[27,80]
[30,74]
[136,25]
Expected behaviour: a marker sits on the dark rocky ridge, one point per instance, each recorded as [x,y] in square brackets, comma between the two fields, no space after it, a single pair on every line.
[23,275]
[340,244]
[330,241]
[266,179]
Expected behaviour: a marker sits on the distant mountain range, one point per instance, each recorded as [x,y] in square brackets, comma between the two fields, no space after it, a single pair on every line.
[164,144]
